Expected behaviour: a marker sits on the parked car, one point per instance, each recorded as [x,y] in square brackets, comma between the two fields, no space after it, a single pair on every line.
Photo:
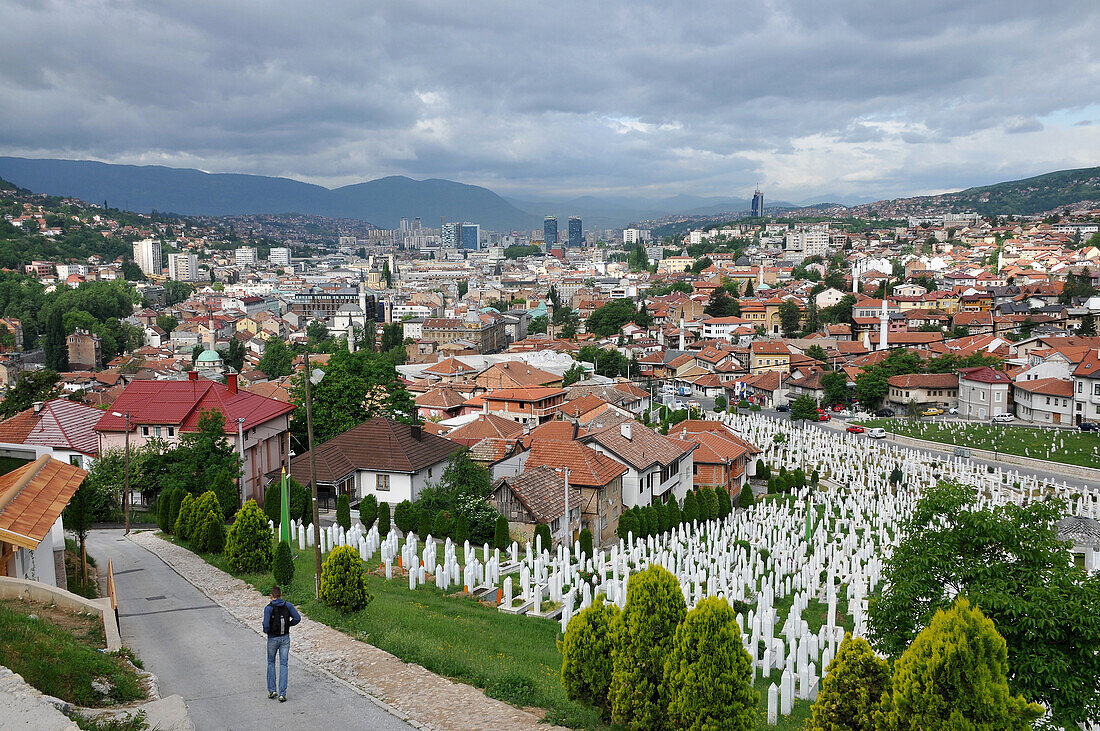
[836,407]
[1088,426]
[953,410]
[782,409]
[823,417]
[932,411]
[884,412]
[855,429]
[1003,418]
[876,433]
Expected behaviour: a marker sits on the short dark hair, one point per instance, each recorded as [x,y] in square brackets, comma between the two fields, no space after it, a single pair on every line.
[276,591]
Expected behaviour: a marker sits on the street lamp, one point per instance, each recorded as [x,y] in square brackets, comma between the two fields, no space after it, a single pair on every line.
[126,469]
[311,378]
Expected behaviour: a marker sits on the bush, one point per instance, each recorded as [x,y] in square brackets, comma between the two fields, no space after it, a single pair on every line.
[343,512]
[652,523]
[405,517]
[164,508]
[720,403]
[711,496]
[654,608]
[424,523]
[852,689]
[746,499]
[343,585]
[501,538]
[443,526]
[301,502]
[627,524]
[725,504]
[586,650]
[209,535]
[672,507]
[954,675]
[227,493]
[272,498]
[283,564]
[461,529]
[178,493]
[384,519]
[763,471]
[248,546]
[368,511]
[183,520]
[708,675]
[543,530]
[586,543]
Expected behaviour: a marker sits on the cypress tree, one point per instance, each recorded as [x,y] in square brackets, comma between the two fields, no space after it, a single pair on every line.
[283,565]
[343,512]
[852,689]
[501,538]
[691,508]
[586,543]
[384,519]
[368,511]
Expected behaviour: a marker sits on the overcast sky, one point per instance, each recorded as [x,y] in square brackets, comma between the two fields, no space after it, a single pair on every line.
[869,98]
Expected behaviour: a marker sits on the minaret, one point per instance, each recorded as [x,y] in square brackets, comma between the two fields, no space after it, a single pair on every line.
[855,280]
[683,346]
[867,340]
[883,325]
[761,280]
[351,337]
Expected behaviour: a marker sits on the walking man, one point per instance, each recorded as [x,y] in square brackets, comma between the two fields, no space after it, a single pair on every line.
[279,617]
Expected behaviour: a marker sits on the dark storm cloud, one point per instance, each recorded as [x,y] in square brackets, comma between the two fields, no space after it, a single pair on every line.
[707,97]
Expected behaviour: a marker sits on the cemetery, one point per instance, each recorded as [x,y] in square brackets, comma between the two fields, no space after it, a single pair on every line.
[798,568]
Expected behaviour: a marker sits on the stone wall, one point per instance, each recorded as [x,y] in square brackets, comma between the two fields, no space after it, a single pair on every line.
[37,591]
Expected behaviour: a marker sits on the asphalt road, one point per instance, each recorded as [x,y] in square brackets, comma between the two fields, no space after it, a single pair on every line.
[839,424]
[196,649]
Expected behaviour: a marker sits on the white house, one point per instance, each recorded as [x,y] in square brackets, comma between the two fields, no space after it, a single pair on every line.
[658,467]
[381,457]
[983,393]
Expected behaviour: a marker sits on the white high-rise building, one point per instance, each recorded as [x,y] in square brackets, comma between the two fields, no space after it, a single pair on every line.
[147,256]
[636,235]
[246,255]
[279,255]
[183,267]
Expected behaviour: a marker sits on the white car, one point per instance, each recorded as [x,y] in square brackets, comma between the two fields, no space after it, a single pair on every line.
[1003,418]
[876,433]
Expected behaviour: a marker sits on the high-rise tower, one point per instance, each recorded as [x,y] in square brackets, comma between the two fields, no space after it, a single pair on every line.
[576,236]
[758,203]
[550,231]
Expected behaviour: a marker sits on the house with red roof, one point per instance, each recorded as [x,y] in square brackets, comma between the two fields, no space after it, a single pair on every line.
[66,427]
[721,458]
[256,426]
[983,393]
[527,406]
[597,477]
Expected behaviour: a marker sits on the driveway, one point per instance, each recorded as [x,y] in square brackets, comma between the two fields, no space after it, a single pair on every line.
[199,651]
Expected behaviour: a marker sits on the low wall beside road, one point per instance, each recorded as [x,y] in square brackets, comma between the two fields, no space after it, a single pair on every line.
[36,591]
[1069,470]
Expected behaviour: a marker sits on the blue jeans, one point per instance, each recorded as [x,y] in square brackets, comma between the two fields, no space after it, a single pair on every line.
[280,645]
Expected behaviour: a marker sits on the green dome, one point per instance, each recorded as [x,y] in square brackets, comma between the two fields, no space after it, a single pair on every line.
[208,356]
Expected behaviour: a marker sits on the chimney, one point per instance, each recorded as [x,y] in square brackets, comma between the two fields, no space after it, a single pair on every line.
[626,430]
[38,406]
[231,382]
[192,375]
[417,431]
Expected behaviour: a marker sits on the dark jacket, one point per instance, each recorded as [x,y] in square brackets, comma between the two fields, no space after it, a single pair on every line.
[295,618]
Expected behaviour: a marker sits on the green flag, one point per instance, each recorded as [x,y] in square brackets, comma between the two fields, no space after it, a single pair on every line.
[284,513]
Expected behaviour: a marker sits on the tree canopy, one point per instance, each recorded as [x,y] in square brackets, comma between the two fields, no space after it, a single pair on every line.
[609,319]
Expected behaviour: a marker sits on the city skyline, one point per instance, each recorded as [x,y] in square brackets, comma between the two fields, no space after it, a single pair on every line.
[652,100]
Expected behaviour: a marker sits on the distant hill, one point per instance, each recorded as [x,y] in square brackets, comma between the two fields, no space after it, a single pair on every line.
[382,202]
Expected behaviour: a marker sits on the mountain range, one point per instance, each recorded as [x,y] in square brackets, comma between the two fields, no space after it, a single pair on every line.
[383,202]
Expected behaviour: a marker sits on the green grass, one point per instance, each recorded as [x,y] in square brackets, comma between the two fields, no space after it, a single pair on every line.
[1078,449]
[62,663]
[512,658]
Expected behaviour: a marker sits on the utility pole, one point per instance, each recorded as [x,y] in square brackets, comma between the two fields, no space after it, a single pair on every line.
[313,481]
[568,528]
[126,472]
[240,452]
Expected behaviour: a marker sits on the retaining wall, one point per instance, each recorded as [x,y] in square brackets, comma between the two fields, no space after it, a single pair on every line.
[36,591]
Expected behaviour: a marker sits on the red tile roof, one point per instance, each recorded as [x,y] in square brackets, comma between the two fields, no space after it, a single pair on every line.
[587,467]
[33,496]
[542,491]
[181,403]
[983,374]
[61,423]
[486,426]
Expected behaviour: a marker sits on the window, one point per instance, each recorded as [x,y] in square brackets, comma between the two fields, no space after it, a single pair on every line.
[156,432]
[144,431]
[429,473]
[171,431]
[998,395]
[74,460]
[382,483]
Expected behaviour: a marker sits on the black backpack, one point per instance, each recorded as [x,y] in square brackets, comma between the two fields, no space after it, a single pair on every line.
[279,624]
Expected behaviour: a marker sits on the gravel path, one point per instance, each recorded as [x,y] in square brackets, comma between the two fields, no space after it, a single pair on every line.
[421,696]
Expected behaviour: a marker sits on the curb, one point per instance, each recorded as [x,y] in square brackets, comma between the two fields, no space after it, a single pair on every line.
[301,658]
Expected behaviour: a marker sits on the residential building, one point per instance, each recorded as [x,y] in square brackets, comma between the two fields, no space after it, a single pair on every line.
[1044,400]
[721,459]
[66,427]
[658,468]
[245,256]
[85,350]
[537,496]
[183,267]
[597,476]
[769,355]
[633,236]
[1086,388]
[382,457]
[527,406]
[165,410]
[515,374]
[485,333]
[279,256]
[147,256]
[923,389]
[32,538]
[983,393]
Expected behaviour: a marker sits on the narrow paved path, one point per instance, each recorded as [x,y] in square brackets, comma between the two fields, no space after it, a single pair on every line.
[218,665]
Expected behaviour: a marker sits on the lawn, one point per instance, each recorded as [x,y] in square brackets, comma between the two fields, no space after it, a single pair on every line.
[59,653]
[1067,447]
[510,657]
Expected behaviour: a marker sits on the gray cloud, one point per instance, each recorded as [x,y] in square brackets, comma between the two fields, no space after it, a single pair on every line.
[862,97]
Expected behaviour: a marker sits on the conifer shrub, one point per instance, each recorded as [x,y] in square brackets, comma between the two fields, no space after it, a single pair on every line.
[178,493]
[711,496]
[652,524]
[273,496]
[226,492]
[586,649]
[501,538]
[654,608]
[586,543]
[746,499]
[164,508]
[343,584]
[405,517]
[248,545]
[852,689]
[208,535]
[301,502]
[725,504]
[368,511]
[461,529]
[183,519]
[282,566]
[343,512]
[955,675]
[544,530]
[383,519]
[443,526]
[708,673]
[627,524]
[424,523]
[672,507]
[691,508]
